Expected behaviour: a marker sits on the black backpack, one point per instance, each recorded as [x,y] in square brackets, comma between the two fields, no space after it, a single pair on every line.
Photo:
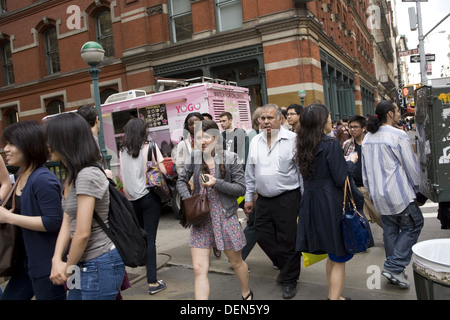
[124,230]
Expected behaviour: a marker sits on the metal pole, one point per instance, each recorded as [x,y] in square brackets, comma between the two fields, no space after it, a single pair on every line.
[94,71]
[423,63]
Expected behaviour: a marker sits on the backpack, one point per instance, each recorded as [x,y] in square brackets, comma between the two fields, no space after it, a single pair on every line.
[124,230]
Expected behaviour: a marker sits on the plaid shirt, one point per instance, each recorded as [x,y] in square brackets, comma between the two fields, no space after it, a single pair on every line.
[349,146]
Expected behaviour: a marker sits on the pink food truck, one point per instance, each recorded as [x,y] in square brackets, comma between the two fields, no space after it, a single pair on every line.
[166,111]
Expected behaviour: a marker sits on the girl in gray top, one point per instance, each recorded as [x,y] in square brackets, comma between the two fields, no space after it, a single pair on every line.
[97,265]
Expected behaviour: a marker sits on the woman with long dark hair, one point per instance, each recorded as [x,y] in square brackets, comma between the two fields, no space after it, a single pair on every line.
[134,150]
[324,172]
[38,212]
[225,182]
[101,267]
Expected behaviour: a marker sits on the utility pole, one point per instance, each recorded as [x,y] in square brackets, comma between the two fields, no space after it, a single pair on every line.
[423,63]
[415,22]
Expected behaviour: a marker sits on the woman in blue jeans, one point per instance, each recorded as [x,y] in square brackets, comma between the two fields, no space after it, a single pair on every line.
[94,267]
[146,204]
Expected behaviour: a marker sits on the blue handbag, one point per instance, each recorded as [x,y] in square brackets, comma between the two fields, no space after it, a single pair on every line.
[355,227]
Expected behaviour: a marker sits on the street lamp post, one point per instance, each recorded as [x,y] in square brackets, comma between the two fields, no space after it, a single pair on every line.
[302,94]
[92,53]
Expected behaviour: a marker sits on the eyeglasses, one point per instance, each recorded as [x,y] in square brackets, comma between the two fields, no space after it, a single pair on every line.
[292,114]
[354,127]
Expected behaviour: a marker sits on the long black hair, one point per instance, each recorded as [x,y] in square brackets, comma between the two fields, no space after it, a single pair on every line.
[374,122]
[29,138]
[70,135]
[309,134]
[135,135]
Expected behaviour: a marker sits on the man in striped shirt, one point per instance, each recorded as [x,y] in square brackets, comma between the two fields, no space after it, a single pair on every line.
[390,175]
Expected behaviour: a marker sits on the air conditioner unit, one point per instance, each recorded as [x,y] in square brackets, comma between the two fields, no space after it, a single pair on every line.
[121,96]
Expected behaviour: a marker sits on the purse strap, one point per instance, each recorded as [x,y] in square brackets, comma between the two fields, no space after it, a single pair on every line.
[11,192]
[350,197]
[151,152]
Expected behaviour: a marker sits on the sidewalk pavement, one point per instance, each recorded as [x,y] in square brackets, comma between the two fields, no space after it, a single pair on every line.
[363,272]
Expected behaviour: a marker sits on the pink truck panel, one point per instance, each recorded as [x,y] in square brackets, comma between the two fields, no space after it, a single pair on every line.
[166,111]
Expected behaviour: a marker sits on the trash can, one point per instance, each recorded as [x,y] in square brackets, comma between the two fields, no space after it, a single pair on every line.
[431,267]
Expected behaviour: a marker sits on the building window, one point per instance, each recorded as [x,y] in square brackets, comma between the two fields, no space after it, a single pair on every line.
[180,19]
[51,50]
[104,31]
[105,94]
[7,64]
[12,117]
[3,6]
[55,107]
[228,14]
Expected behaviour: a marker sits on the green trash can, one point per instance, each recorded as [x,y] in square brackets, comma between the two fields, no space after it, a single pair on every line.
[431,267]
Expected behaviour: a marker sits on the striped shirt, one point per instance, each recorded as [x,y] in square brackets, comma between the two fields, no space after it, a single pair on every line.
[389,169]
[91,182]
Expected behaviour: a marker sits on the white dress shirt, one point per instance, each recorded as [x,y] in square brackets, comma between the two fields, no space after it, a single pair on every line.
[270,172]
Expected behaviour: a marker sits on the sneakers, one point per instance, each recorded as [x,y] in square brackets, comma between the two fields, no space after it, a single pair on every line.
[400,279]
[155,289]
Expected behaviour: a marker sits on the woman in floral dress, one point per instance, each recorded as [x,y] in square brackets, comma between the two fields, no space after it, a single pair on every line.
[225,182]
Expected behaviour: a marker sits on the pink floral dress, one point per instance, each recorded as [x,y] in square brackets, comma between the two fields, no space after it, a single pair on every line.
[216,230]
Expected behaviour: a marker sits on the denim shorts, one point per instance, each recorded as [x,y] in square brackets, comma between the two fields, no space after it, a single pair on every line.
[101,277]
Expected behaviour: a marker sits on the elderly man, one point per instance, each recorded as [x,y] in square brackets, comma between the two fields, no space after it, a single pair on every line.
[272,173]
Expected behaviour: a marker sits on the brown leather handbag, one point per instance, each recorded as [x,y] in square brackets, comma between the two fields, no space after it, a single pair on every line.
[196,208]
[8,236]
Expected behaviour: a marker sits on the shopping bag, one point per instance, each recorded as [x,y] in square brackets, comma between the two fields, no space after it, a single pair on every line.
[310,259]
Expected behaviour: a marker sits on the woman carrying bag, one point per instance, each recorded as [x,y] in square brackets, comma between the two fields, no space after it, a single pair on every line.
[134,151]
[86,189]
[37,212]
[219,174]
[324,171]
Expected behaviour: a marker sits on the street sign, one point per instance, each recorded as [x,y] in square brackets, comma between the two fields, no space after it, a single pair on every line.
[428,57]
[408,52]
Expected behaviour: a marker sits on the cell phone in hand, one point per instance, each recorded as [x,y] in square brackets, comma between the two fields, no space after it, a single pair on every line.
[204,178]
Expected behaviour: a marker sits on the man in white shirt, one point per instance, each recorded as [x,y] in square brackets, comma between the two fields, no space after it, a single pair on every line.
[272,173]
[234,139]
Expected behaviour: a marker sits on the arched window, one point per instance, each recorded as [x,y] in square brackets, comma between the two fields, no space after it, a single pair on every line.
[12,116]
[104,32]
[55,107]
[105,94]
[51,50]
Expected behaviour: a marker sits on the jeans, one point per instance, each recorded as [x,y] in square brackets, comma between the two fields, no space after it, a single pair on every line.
[401,232]
[100,278]
[22,287]
[148,212]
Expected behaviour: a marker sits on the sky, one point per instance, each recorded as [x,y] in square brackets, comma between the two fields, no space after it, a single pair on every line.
[433,11]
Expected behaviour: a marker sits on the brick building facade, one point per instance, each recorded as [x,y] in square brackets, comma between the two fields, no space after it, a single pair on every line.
[274,48]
